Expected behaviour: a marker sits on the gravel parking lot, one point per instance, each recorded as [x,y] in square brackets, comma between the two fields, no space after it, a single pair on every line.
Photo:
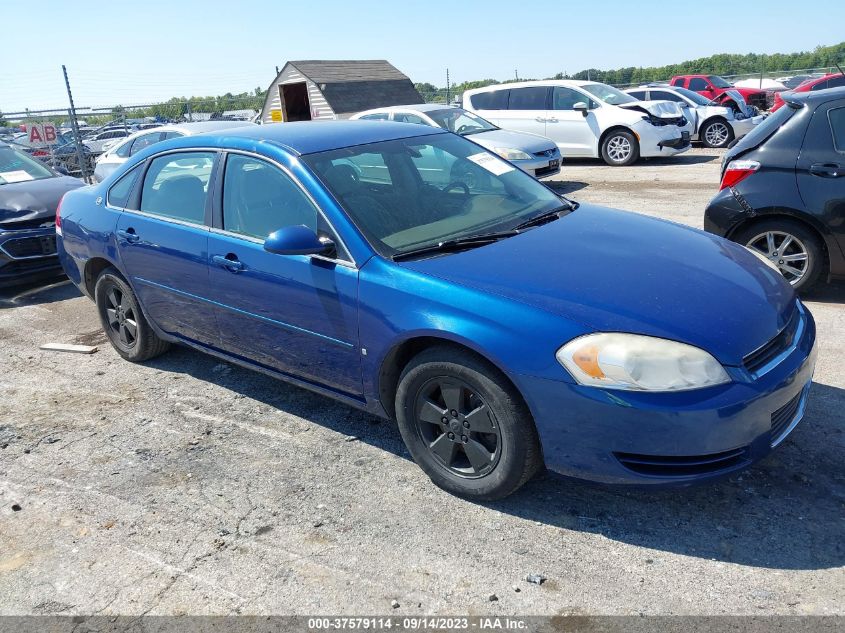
[191,486]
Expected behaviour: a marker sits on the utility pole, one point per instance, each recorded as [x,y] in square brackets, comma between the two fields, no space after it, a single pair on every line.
[80,154]
[447,87]
[516,74]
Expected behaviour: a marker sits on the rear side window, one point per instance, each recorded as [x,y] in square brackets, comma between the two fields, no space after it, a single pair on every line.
[697,83]
[144,141]
[377,116]
[493,100]
[532,98]
[176,186]
[820,86]
[118,195]
[408,118]
[123,150]
[663,95]
[837,128]
[259,198]
[637,94]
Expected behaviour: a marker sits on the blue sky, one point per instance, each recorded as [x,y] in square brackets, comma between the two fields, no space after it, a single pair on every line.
[140,52]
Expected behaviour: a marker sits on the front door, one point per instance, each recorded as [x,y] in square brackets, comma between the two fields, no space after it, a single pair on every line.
[294,313]
[162,242]
[574,133]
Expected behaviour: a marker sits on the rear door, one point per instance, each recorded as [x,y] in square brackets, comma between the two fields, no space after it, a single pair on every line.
[162,242]
[821,164]
[527,110]
[295,313]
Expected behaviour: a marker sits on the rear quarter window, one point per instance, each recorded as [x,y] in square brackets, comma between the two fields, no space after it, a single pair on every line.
[836,117]
[118,195]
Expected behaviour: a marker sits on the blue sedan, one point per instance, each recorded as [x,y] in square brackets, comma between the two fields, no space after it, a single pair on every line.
[503,327]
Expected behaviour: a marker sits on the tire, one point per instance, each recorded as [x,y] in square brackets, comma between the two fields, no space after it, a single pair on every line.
[803,240]
[613,148]
[495,449]
[123,321]
[716,133]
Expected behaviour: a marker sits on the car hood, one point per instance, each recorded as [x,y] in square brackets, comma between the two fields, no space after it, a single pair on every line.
[616,271]
[661,109]
[33,200]
[525,141]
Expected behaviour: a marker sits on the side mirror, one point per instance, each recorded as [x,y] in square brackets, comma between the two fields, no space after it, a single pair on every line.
[581,107]
[62,170]
[297,240]
[684,105]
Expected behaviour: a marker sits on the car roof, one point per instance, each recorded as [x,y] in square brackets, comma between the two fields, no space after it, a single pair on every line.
[416,107]
[540,82]
[814,98]
[310,137]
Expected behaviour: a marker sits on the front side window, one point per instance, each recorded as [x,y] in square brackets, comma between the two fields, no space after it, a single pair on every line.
[118,195]
[697,83]
[719,82]
[836,82]
[693,96]
[566,98]
[836,117]
[678,81]
[176,186]
[530,98]
[402,117]
[439,187]
[259,198]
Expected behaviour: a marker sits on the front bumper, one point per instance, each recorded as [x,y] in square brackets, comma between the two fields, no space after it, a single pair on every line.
[640,438]
[541,166]
[28,255]
[666,140]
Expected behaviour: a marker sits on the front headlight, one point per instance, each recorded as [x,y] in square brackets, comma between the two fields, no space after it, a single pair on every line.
[764,259]
[639,363]
[511,154]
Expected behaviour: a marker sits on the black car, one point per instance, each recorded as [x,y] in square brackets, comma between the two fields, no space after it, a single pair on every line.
[783,189]
[29,194]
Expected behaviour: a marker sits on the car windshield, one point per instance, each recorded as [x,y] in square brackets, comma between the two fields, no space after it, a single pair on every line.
[15,166]
[411,193]
[609,94]
[718,82]
[460,121]
[692,96]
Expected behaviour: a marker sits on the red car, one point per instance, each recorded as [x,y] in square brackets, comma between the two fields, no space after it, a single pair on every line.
[833,80]
[714,87]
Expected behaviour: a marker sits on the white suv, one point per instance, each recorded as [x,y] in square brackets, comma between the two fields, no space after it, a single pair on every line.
[585,118]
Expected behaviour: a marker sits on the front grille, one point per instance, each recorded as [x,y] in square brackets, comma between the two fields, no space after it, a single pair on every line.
[547,153]
[685,466]
[759,358]
[783,417]
[23,247]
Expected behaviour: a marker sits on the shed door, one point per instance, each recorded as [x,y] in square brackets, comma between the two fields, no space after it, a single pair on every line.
[295,105]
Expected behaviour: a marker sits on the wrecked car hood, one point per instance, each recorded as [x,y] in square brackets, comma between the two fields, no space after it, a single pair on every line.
[660,109]
[33,200]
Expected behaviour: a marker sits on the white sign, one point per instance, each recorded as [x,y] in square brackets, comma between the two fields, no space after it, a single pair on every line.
[491,163]
[42,134]
[19,175]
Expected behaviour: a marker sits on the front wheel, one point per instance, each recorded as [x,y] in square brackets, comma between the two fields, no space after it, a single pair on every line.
[123,322]
[716,134]
[793,248]
[620,148]
[465,425]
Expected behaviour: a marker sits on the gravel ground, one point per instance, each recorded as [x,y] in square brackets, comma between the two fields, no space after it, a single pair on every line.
[190,486]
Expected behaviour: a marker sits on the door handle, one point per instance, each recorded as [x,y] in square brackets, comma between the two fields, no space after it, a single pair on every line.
[827,170]
[230,263]
[129,235]
[552,120]
[540,119]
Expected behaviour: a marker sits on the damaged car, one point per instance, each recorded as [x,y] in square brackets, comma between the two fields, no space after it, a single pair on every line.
[714,125]
[585,118]
[29,194]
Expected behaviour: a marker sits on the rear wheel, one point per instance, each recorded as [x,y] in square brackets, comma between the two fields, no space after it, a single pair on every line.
[123,322]
[716,133]
[465,426]
[620,148]
[789,245]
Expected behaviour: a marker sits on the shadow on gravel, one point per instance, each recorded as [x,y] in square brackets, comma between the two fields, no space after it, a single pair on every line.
[49,292]
[564,187]
[784,513]
[826,293]
[683,159]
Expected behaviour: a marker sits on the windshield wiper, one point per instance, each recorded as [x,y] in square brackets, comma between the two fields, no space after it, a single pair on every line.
[454,245]
[548,216]
[475,131]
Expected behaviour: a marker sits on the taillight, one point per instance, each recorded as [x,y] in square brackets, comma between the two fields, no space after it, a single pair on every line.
[737,171]
[59,215]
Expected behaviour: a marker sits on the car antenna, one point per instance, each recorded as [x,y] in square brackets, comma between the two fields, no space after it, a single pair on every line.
[841,72]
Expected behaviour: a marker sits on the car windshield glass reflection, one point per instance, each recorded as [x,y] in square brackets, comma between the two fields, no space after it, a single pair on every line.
[16,166]
[609,94]
[410,193]
[460,121]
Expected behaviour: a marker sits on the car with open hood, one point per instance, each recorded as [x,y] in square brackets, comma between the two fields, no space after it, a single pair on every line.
[502,326]
[532,153]
[30,191]
[585,118]
[713,125]
[722,91]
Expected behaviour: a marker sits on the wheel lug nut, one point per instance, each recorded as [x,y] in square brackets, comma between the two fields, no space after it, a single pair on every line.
[444,419]
[464,439]
[454,413]
[466,424]
[451,436]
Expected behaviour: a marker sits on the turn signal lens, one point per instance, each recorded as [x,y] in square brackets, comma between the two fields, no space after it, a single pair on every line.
[737,171]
